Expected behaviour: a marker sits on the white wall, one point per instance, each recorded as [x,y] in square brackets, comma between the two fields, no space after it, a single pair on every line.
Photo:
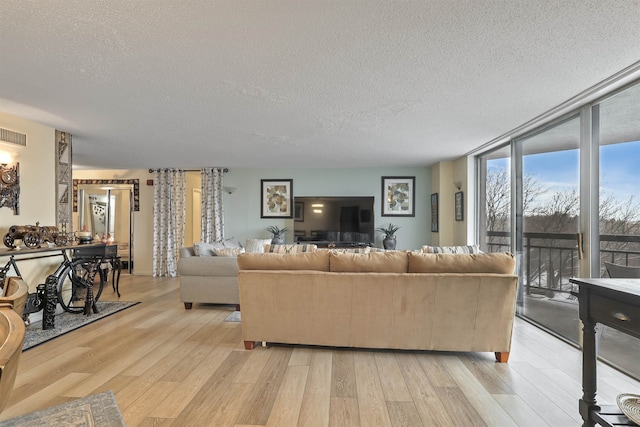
[37,190]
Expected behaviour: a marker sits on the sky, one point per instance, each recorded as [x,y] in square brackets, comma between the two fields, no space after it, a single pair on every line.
[556,171]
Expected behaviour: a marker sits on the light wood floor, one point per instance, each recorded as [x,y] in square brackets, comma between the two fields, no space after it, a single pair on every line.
[174,367]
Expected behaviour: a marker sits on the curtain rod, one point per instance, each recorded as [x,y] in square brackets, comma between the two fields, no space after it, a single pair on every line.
[225,170]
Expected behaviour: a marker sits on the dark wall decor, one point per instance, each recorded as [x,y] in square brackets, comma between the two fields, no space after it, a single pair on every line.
[10,187]
[459,206]
[134,182]
[63,179]
[434,212]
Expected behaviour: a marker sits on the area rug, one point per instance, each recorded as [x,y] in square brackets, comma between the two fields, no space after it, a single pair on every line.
[96,410]
[67,322]
[233,317]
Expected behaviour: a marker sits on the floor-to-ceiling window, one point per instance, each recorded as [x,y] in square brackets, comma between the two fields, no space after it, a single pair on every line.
[619,206]
[545,171]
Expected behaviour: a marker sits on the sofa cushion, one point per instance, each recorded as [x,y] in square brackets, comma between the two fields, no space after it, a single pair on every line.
[499,262]
[206,249]
[318,261]
[289,249]
[228,251]
[469,249]
[375,262]
[256,246]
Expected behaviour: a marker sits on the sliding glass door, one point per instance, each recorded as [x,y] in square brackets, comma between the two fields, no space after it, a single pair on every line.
[619,213]
[548,192]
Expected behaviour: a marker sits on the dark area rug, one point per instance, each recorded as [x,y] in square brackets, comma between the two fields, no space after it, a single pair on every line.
[96,410]
[67,322]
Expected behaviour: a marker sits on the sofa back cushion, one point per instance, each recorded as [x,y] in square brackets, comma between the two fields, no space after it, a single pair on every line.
[289,249]
[375,262]
[318,261]
[469,249]
[500,263]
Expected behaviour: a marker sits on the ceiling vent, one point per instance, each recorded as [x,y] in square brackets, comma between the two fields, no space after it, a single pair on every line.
[12,137]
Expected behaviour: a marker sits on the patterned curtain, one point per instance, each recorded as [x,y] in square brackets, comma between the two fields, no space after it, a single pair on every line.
[212,223]
[169,212]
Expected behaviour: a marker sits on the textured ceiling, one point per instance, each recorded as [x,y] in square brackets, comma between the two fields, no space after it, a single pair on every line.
[300,83]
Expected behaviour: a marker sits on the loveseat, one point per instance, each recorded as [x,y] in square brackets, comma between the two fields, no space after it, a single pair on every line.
[207,279]
[391,300]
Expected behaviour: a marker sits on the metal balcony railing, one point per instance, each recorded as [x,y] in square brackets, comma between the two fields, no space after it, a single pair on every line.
[551,259]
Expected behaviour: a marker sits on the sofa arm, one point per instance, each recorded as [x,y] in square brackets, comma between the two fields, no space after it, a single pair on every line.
[208,266]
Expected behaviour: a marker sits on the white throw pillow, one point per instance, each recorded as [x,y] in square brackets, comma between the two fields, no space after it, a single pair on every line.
[470,249]
[256,246]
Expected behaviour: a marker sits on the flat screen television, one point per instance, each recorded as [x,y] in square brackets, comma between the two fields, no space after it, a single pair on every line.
[339,221]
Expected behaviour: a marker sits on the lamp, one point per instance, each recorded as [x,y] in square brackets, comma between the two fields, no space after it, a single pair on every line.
[458,184]
[229,190]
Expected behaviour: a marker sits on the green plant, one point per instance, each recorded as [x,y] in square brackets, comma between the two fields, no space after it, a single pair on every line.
[276,231]
[389,230]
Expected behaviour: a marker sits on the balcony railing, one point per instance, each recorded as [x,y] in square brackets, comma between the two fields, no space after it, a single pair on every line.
[551,259]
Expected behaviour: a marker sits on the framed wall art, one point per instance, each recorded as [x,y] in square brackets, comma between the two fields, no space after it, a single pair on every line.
[398,195]
[459,206]
[434,212]
[276,197]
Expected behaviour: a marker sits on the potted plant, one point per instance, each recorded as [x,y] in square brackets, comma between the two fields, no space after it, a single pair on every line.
[389,240]
[277,234]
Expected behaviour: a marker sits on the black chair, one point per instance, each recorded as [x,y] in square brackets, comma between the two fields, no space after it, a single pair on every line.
[622,271]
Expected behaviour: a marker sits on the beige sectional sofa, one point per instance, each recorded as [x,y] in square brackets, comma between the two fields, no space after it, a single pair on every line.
[392,300]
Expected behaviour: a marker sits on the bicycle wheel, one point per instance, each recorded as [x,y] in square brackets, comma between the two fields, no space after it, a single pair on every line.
[73,281]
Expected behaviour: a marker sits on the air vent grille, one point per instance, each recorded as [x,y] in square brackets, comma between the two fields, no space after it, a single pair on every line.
[12,137]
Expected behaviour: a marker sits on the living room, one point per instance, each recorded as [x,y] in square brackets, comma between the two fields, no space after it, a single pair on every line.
[239,91]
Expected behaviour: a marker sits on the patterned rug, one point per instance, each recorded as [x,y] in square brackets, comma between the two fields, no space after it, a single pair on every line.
[233,317]
[96,410]
[67,322]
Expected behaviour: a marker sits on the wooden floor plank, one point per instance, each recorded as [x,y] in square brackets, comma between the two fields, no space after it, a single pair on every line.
[371,402]
[317,393]
[286,408]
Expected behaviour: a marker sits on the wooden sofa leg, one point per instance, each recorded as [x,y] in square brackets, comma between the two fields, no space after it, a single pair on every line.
[188,305]
[237,307]
[502,356]
[249,345]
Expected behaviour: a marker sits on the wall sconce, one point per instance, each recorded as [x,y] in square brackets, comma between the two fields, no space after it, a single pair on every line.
[229,190]
[458,185]
[10,186]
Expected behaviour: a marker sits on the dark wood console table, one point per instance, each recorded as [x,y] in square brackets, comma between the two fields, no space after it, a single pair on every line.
[614,303]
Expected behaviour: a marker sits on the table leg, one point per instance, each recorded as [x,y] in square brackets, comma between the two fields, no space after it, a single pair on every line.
[589,374]
[50,302]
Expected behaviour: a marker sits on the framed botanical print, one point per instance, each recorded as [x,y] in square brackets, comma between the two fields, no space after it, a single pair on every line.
[434,212]
[276,198]
[398,195]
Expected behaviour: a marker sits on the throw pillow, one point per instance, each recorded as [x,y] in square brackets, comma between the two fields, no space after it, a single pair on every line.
[229,252]
[363,250]
[256,246]
[469,249]
[289,249]
[206,249]
[231,243]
